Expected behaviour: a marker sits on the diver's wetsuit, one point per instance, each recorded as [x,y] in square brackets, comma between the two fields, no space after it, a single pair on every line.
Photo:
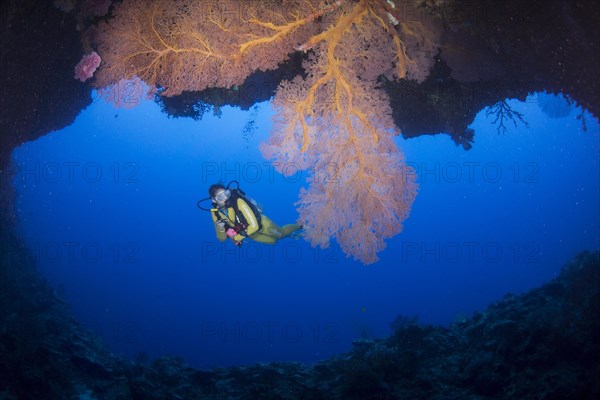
[270,232]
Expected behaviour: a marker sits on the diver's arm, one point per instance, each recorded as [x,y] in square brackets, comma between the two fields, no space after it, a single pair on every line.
[250,219]
[221,235]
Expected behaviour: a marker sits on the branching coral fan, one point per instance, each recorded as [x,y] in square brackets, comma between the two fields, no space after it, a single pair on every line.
[334,122]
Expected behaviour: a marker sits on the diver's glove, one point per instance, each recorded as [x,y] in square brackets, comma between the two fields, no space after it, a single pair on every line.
[231,232]
[221,225]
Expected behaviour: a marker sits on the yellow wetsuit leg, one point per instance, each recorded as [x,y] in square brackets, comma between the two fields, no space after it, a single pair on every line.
[271,232]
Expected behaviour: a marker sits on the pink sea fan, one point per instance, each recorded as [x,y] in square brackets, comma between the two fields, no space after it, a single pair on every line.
[87,66]
[127,93]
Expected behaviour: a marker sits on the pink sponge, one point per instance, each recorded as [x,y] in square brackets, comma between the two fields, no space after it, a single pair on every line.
[87,66]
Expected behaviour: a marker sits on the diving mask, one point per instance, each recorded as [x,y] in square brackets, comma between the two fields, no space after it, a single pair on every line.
[222,196]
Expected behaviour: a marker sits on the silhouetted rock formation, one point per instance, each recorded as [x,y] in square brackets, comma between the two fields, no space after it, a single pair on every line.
[541,345]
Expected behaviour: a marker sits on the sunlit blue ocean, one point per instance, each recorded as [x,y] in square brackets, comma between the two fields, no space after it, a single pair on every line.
[108,209]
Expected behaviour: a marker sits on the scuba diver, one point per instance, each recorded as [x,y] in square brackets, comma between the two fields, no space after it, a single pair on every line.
[237,217]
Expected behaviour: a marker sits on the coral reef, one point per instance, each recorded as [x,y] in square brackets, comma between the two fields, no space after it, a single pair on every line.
[541,345]
[425,67]
[544,344]
[336,115]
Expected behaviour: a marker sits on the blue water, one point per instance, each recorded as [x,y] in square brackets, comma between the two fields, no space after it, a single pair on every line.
[108,209]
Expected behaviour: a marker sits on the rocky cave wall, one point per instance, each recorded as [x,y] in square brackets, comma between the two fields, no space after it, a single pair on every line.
[492,50]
